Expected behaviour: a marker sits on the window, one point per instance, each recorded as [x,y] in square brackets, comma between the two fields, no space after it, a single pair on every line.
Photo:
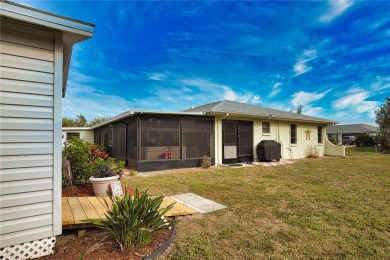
[160,137]
[293,134]
[198,137]
[70,135]
[110,136]
[266,128]
[319,134]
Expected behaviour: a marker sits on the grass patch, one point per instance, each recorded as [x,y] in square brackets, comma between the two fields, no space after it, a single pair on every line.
[315,208]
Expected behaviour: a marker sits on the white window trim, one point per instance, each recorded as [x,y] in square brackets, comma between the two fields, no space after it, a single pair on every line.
[269,127]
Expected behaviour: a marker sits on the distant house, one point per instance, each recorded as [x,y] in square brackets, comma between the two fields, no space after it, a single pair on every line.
[342,133]
[226,131]
[35,49]
[84,133]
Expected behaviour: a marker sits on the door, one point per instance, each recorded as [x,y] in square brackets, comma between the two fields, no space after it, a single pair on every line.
[230,139]
[237,141]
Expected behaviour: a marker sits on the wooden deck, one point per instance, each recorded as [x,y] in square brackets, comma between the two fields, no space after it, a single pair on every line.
[76,209]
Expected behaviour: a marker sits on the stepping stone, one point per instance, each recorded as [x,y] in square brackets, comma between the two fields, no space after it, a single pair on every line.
[197,203]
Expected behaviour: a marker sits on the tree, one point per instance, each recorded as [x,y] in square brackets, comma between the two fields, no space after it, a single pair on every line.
[81,121]
[97,120]
[68,122]
[299,109]
[383,120]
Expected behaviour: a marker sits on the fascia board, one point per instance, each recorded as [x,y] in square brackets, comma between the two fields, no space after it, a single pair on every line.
[27,14]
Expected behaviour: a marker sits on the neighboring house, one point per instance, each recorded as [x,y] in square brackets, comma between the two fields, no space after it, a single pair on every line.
[226,131]
[35,49]
[343,133]
[84,133]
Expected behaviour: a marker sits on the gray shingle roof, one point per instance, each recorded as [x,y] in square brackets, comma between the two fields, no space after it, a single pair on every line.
[233,107]
[352,128]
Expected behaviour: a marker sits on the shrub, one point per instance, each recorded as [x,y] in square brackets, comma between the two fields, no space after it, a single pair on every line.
[206,162]
[134,221]
[108,167]
[312,151]
[77,152]
[88,160]
[333,140]
[132,172]
[364,141]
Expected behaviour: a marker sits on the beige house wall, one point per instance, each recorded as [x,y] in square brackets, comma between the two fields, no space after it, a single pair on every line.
[334,150]
[280,132]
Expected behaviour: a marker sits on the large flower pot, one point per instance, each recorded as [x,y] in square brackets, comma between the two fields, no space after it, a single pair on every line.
[102,185]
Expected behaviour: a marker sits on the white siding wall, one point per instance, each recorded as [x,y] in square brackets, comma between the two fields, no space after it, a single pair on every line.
[26,132]
[86,135]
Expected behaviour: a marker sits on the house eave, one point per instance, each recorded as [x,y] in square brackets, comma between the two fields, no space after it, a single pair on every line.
[76,128]
[74,31]
[132,113]
[270,117]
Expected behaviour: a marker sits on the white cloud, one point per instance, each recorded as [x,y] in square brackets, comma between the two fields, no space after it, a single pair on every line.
[336,8]
[255,99]
[218,91]
[381,83]
[157,76]
[86,100]
[300,66]
[312,111]
[275,89]
[304,98]
[355,102]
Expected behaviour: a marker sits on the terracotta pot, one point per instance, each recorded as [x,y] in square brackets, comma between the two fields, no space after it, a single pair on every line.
[102,185]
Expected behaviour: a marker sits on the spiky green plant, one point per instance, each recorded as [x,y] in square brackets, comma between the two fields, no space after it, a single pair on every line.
[134,221]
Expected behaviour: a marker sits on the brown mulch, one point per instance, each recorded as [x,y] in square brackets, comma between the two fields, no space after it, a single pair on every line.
[85,191]
[98,241]
[69,246]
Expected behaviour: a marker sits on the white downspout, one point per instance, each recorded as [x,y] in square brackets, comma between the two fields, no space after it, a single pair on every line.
[280,141]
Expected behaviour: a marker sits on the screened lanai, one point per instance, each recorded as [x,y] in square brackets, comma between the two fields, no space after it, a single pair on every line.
[150,142]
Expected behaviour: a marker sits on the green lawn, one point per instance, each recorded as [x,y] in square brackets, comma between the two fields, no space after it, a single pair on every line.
[315,208]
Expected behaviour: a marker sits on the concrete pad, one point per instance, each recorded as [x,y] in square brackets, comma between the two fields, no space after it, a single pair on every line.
[267,164]
[197,203]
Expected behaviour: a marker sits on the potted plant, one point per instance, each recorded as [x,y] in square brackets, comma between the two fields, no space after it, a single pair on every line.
[102,179]
[105,170]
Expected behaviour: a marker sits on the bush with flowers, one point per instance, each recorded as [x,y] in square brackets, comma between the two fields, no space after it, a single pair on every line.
[88,160]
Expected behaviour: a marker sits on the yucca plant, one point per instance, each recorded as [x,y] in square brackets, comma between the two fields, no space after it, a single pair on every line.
[134,221]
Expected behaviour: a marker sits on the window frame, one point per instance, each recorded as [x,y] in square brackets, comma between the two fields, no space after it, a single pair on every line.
[269,128]
[319,135]
[293,139]
[110,135]
[69,135]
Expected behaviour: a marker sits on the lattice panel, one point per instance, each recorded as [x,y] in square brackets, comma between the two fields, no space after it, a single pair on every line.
[28,250]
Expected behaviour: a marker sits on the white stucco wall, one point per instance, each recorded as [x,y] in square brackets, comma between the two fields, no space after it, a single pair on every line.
[334,150]
[280,132]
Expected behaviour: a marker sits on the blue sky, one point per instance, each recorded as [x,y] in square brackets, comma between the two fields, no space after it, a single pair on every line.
[333,58]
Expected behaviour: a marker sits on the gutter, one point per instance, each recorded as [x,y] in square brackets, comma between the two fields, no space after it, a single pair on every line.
[132,113]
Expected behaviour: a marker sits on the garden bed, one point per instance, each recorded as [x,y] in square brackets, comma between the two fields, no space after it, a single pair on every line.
[69,246]
[85,191]
[97,244]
